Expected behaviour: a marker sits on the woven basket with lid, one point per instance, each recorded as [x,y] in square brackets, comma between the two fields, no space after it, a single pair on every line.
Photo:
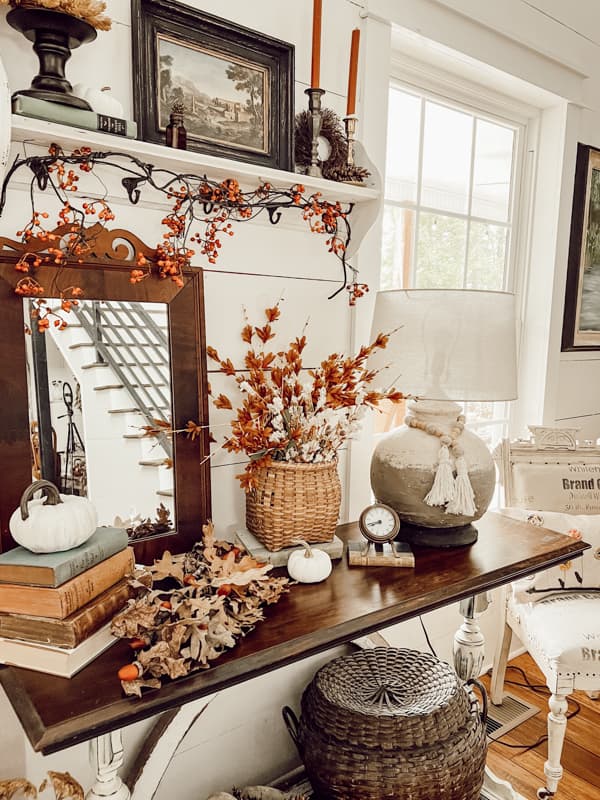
[391,723]
[294,501]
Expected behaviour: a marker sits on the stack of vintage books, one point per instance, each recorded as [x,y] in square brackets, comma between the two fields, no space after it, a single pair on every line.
[56,608]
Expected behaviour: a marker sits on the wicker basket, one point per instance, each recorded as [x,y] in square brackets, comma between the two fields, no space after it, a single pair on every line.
[294,501]
[390,723]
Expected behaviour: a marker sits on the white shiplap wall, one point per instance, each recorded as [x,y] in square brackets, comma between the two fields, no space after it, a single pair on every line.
[240,737]
[259,264]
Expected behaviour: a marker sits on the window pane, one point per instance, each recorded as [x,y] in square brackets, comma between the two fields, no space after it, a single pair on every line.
[493,170]
[441,245]
[446,158]
[396,249]
[487,253]
[404,123]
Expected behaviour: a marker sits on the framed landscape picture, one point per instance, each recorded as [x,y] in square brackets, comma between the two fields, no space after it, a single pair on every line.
[581,323]
[236,85]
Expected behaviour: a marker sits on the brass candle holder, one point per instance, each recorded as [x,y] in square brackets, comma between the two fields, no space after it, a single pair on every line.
[314,107]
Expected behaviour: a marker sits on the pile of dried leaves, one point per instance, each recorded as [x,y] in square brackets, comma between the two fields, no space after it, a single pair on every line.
[192,608]
[64,785]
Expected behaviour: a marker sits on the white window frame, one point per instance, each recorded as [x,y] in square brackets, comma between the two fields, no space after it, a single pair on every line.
[431,83]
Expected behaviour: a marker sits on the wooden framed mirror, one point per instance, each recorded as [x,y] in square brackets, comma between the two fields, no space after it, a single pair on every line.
[74,408]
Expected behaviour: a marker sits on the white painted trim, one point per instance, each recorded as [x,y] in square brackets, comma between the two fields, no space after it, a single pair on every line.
[442,83]
[499,44]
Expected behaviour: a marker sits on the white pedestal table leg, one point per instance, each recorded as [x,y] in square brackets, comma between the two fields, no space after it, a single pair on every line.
[469,653]
[106,755]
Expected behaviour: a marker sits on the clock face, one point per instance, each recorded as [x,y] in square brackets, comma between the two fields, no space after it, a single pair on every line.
[379,523]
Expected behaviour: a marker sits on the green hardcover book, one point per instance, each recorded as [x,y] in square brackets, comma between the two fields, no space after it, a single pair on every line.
[74,117]
[54,569]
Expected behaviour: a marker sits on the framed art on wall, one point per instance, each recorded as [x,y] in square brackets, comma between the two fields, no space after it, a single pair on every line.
[236,85]
[581,322]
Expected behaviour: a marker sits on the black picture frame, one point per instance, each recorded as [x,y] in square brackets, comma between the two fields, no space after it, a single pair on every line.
[246,130]
[581,319]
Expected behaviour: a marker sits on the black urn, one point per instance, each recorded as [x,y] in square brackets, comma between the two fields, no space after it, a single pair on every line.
[54,34]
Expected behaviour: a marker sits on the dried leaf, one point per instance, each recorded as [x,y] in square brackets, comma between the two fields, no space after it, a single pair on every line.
[134,620]
[163,515]
[273,313]
[65,786]
[247,334]
[14,786]
[174,636]
[261,793]
[222,402]
[167,566]
[243,578]
[162,423]
[197,638]
[208,535]
[227,367]
[193,429]
[135,687]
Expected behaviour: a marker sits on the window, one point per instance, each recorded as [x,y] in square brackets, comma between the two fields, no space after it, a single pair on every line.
[450,206]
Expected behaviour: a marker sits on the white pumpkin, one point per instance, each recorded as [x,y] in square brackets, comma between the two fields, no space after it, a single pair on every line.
[53,523]
[101,101]
[309,565]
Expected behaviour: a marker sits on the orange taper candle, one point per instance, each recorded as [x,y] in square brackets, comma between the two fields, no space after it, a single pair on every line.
[353,72]
[315,72]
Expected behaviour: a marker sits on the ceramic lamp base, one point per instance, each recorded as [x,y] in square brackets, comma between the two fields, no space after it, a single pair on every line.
[403,467]
[460,536]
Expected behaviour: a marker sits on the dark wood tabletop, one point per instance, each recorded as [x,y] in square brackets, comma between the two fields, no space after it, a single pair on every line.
[59,712]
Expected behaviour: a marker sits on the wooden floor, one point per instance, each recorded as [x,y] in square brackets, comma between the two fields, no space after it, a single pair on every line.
[581,753]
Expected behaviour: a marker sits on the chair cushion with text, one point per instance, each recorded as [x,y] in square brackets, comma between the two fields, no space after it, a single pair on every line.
[563,634]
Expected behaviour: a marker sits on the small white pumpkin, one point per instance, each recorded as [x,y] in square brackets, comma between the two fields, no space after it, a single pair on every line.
[101,101]
[309,565]
[52,523]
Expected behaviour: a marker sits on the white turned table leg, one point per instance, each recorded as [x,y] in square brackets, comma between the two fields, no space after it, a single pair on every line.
[469,654]
[106,755]
[469,650]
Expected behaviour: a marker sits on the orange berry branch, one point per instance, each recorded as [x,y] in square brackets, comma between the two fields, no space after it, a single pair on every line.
[201,217]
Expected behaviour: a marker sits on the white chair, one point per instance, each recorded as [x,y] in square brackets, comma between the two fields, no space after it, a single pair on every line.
[551,482]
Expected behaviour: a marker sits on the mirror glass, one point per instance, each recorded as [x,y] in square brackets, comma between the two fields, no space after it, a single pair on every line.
[93,386]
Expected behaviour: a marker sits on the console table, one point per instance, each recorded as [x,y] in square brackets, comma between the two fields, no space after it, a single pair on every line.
[57,712]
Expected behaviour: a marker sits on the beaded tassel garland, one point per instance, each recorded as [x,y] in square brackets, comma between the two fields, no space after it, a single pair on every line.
[454,492]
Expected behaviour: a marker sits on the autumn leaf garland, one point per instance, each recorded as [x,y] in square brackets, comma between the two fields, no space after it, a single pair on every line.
[191,608]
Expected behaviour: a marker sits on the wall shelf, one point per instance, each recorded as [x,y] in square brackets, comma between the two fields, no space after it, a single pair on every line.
[366,200]
[42,133]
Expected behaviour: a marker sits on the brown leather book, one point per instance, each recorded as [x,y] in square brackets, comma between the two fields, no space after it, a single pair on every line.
[60,602]
[75,628]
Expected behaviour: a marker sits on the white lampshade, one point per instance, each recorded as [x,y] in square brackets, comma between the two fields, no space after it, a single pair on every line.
[453,344]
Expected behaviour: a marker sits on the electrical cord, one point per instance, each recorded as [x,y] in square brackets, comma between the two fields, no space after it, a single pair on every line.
[429,645]
[538,688]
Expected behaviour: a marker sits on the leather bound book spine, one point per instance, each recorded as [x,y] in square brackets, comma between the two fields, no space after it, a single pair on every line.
[70,596]
[74,629]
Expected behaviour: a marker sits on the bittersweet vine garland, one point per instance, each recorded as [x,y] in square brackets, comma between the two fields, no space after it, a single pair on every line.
[202,213]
